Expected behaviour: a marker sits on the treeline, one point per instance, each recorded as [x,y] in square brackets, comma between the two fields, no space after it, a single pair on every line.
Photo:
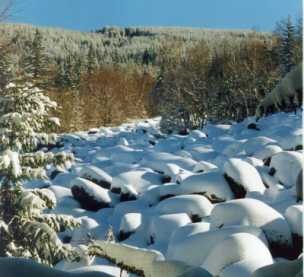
[227,82]
[115,74]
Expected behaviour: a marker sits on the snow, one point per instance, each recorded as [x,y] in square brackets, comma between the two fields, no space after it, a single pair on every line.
[96,192]
[211,183]
[140,179]
[199,244]
[12,267]
[253,145]
[244,175]
[130,222]
[245,267]
[287,167]
[162,226]
[267,151]
[294,217]
[235,248]
[282,268]
[190,204]
[252,212]
[181,215]
[96,174]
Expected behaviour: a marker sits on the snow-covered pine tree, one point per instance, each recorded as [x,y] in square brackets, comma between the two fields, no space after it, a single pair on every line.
[27,227]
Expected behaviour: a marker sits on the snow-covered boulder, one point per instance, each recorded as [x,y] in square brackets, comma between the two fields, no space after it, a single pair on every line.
[162,226]
[252,212]
[86,231]
[235,248]
[254,161]
[90,196]
[128,193]
[281,269]
[246,267]
[123,208]
[243,177]
[174,173]
[294,217]
[188,230]
[293,141]
[203,153]
[212,184]
[129,224]
[203,167]
[196,206]
[158,160]
[198,134]
[96,175]
[268,151]
[255,144]
[140,180]
[197,245]
[216,130]
[12,267]
[286,166]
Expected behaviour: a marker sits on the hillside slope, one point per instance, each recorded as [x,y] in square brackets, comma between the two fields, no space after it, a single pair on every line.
[188,197]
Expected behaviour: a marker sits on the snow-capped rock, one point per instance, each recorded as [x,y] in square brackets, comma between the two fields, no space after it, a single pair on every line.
[96,175]
[252,212]
[90,196]
[129,224]
[199,244]
[196,206]
[243,177]
[213,184]
[294,217]
[286,166]
[235,248]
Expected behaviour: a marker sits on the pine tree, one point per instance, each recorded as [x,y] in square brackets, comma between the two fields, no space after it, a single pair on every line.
[286,33]
[27,228]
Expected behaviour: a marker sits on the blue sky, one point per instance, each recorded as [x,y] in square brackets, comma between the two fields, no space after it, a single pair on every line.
[86,15]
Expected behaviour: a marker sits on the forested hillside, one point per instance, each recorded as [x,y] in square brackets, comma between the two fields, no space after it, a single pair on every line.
[116,74]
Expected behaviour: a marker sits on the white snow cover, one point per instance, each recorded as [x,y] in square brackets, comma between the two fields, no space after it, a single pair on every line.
[268,151]
[158,160]
[246,267]
[204,166]
[255,144]
[235,248]
[244,174]
[287,165]
[95,173]
[252,212]
[294,217]
[12,267]
[130,222]
[212,183]
[162,226]
[189,204]
[95,191]
[139,159]
[199,244]
[140,180]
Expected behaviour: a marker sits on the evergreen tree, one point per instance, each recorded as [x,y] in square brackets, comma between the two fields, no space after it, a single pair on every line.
[286,33]
[39,58]
[27,228]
